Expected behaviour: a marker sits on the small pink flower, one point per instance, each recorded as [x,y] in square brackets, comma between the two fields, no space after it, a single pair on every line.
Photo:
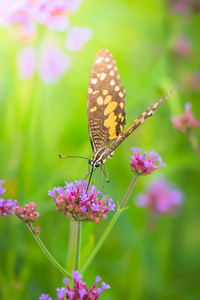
[26,62]
[27,214]
[79,203]
[160,198]
[185,121]
[77,37]
[143,164]
[53,63]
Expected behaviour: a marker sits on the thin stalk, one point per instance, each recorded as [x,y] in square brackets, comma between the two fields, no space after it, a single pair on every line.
[46,252]
[110,226]
[71,246]
[77,246]
[193,143]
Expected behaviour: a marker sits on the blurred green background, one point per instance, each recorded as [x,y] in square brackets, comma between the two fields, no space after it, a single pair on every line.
[38,121]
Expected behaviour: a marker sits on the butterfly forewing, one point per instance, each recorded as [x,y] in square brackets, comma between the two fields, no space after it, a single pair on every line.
[145,115]
[105,104]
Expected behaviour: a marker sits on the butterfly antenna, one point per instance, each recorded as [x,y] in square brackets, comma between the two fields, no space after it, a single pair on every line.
[73,156]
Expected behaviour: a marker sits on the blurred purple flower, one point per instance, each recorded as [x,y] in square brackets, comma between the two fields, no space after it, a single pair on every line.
[160,198]
[79,290]
[186,121]
[53,63]
[143,165]
[182,47]
[184,6]
[14,12]
[26,62]
[6,206]
[77,37]
[53,14]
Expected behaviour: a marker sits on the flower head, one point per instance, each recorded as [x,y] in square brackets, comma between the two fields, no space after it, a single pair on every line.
[80,291]
[80,203]
[6,206]
[143,165]
[185,121]
[27,214]
[160,198]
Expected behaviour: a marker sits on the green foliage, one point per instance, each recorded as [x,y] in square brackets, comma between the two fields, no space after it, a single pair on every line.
[38,121]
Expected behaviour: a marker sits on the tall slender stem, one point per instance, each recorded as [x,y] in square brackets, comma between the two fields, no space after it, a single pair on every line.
[110,226]
[46,252]
[77,246]
[71,246]
[129,191]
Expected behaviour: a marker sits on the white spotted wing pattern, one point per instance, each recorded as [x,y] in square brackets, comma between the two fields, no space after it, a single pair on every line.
[106,108]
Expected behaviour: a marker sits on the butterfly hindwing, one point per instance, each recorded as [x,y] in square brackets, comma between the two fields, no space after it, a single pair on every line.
[105,104]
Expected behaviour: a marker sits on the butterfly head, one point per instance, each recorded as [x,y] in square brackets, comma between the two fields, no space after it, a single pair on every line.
[100,157]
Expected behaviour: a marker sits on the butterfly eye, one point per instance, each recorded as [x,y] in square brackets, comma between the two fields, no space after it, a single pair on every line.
[97,164]
[90,161]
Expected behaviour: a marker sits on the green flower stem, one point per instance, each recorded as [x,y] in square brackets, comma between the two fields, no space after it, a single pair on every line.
[77,246]
[110,226]
[71,246]
[46,252]
[193,142]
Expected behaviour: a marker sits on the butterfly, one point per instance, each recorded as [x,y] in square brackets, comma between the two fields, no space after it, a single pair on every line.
[106,109]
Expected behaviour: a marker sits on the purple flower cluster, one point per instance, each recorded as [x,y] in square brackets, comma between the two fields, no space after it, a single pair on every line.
[80,203]
[50,60]
[143,165]
[27,214]
[6,206]
[80,291]
[186,121]
[52,14]
[160,198]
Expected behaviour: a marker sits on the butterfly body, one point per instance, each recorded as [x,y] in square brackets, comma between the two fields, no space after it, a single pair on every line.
[106,109]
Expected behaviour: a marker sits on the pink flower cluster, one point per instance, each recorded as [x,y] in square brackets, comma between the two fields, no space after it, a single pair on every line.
[80,203]
[53,14]
[6,206]
[80,291]
[160,198]
[143,165]
[27,214]
[186,121]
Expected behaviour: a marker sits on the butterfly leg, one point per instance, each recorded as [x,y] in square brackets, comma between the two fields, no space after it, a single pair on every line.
[95,176]
[105,172]
[86,175]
